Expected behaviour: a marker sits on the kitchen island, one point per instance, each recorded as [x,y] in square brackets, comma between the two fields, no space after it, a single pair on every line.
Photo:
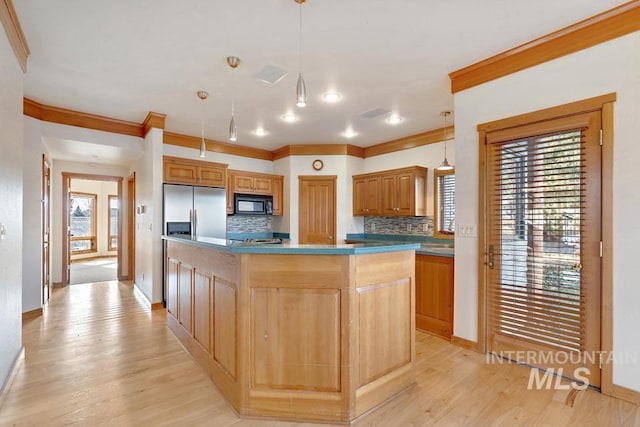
[298,332]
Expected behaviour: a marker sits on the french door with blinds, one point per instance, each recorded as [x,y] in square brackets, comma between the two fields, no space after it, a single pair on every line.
[542,243]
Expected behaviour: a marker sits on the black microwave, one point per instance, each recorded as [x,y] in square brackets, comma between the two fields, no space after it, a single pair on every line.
[252,204]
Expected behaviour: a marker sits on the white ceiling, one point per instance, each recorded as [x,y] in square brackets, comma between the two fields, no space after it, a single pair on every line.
[123,58]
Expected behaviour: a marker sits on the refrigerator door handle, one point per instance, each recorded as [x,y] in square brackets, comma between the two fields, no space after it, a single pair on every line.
[195,222]
[191,221]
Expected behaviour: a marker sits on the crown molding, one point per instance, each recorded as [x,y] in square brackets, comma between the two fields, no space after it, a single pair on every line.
[153,120]
[318,150]
[216,146]
[412,141]
[608,25]
[16,37]
[64,116]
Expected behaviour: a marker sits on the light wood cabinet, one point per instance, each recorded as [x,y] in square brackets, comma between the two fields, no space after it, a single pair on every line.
[367,191]
[397,192]
[255,183]
[278,196]
[193,172]
[434,295]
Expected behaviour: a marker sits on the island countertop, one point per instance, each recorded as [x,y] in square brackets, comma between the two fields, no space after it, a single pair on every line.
[294,248]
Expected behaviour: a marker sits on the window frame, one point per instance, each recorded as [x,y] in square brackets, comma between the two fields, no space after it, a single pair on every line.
[110,235]
[94,225]
[440,234]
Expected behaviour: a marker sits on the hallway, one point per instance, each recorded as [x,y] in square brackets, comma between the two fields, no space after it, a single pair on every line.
[98,356]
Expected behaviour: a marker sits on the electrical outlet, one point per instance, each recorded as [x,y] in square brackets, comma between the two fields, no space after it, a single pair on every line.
[408,227]
[373,226]
[425,227]
[3,231]
[142,277]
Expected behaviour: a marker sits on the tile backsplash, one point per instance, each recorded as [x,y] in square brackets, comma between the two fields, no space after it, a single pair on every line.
[249,224]
[399,225]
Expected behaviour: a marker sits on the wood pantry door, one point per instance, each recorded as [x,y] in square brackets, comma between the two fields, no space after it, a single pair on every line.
[317,209]
[542,240]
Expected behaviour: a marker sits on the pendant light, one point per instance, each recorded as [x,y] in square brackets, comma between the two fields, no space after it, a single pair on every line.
[445,166]
[202,94]
[233,62]
[301,88]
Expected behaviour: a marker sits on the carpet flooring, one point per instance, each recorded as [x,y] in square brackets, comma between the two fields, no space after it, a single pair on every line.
[95,270]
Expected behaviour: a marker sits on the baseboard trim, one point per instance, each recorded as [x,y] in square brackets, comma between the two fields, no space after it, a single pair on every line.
[626,394]
[93,258]
[28,315]
[148,304]
[57,285]
[157,306]
[17,362]
[464,343]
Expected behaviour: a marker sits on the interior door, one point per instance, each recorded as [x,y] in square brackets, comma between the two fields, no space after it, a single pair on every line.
[317,209]
[46,232]
[543,235]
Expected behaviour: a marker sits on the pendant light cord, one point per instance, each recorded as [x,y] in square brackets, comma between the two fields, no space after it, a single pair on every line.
[444,136]
[300,40]
[233,91]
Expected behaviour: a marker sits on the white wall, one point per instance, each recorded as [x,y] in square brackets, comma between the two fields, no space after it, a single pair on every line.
[342,166]
[234,162]
[102,189]
[11,143]
[60,166]
[609,67]
[34,148]
[148,168]
[429,156]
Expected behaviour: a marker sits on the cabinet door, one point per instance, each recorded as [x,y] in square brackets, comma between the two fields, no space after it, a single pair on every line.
[373,190]
[211,177]
[360,196]
[434,295]
[230,192]
[278,203]
[243,184]
[262,185]
[172,286]
[185,283]
[180,174]
[388,184]
[405,194]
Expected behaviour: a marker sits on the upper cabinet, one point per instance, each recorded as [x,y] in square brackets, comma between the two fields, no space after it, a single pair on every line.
[397,192]
[177,170]
[255,183]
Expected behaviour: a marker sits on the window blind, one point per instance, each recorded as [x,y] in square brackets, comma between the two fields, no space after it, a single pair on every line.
[446,190]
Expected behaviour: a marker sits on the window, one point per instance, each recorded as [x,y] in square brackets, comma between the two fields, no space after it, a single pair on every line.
[82,220]
[113,223]
[444,204]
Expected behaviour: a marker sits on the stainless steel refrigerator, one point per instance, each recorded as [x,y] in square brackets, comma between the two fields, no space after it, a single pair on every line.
[205,208]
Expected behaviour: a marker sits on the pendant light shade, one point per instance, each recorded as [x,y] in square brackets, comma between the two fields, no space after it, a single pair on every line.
[203,145]
[233,131]
[301,88]
[445,166]
[233,62]
[301,92]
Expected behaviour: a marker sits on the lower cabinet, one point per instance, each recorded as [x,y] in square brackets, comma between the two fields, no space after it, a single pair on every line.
[434,295]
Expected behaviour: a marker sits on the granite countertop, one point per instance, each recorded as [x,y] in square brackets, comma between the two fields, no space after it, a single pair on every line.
[295,248]
[428,245]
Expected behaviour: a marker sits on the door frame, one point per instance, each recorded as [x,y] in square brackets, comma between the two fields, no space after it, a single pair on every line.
[66,253]
[131,226]
[335,199]
[604,104]
[45,228]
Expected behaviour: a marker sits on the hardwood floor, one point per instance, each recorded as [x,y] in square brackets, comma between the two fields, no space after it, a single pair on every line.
[97,356]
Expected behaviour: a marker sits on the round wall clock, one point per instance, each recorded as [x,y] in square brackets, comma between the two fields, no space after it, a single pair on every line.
[317,164]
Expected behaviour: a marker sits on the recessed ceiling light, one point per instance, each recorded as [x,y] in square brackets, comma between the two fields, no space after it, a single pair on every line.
[260,132]
[331,97]
[394,120]
[349,133]
[290,118]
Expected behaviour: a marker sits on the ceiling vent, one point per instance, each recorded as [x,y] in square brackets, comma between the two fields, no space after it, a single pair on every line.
[376,112]
[271,74]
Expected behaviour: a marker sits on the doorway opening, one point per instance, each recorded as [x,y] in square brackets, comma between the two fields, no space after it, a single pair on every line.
[92,228]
